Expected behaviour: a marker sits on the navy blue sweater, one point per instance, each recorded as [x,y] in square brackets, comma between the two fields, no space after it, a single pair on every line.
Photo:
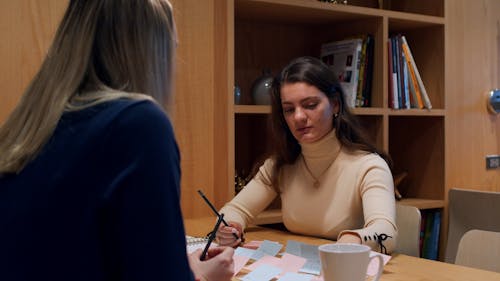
[100,202]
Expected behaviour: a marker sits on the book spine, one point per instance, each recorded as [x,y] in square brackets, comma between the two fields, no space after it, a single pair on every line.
[413,93]
[367,83]
[390,86]
[399,72]
[356,71]
[405,82]
[362,64]
[434,239]
[394,75]
[429,221]
[423,91]
[401,58]
[413,78]
[422,233]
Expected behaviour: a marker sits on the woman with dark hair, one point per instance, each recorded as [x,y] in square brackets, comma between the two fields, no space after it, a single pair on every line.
[332,182]
[89,165]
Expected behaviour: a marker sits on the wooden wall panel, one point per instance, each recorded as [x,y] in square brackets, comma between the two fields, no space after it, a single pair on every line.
[26,28]
[472,69]
[473,60]
[194,109]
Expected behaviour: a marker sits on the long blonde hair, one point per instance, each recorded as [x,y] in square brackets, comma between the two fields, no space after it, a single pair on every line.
[102,50]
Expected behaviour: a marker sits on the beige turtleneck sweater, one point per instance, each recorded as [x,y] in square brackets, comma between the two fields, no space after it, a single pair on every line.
[355,194]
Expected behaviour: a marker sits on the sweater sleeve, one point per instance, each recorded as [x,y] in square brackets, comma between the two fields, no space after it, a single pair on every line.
[377,195]
[252,199]
[142,230]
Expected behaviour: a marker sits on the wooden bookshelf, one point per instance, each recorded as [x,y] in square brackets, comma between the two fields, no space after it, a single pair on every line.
[269,33]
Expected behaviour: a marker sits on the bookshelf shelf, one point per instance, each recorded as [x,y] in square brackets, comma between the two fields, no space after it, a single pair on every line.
[368,111]
[252,109]
[416,112]
[409,21]
[269,33]
[422,204]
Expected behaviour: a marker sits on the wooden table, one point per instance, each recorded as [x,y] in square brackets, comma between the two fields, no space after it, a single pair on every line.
[399,268]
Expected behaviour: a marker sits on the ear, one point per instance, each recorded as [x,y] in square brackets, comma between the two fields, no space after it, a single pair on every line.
[334,102]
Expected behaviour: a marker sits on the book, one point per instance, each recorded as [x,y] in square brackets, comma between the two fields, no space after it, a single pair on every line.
[406,86]
[421,86]
[368,72]
[343,57]
[396,73]
[403,103]
[434,238]
[426,247]
[423,223]
[399,70]
[415,90]
[361,73]
[392,77]
[430,247]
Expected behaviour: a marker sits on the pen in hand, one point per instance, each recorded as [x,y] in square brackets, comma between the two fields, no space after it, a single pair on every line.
[211,237]
[215,211]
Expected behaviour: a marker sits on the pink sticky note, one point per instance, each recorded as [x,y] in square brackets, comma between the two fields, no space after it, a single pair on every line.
[269,260]
[373,265]
[288,263]
[292,263]
[255,244]
[239,263]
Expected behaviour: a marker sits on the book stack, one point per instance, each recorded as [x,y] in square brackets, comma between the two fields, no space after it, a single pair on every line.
[406,88]
[351,60]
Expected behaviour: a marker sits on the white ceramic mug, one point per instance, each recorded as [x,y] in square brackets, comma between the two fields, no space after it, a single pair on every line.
[346,262]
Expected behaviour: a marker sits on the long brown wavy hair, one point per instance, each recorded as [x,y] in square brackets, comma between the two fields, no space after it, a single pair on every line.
[284,148]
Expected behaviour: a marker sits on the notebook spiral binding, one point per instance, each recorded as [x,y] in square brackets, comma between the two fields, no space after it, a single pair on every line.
[194,243]
[191,240]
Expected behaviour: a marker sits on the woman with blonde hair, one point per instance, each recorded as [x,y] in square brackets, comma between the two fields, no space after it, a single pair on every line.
[89,165]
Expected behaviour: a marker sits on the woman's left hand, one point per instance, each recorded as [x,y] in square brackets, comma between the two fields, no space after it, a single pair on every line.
[349,238]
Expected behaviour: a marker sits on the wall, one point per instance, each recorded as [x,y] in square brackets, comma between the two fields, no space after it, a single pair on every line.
[200,109]
[27,28]
[473,68]
[473,64]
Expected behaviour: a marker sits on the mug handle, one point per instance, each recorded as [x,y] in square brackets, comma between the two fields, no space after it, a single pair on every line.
[380,266]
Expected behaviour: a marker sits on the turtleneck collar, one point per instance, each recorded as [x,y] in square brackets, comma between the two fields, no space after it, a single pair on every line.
[327,148]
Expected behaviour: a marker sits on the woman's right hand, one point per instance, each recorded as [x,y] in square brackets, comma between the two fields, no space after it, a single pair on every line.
[217,266]
[225,234]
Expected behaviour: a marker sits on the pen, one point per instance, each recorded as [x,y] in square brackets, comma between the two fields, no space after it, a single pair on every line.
[215,211]
[211,237]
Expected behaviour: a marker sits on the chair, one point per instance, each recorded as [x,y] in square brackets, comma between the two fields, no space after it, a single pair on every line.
[408,219]
[470,209]
[479,249]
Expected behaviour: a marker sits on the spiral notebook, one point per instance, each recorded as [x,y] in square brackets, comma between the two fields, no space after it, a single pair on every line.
[195,243]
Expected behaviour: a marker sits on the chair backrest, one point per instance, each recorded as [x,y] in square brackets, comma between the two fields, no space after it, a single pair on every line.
[470,209]
[408,219]
[479,249]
